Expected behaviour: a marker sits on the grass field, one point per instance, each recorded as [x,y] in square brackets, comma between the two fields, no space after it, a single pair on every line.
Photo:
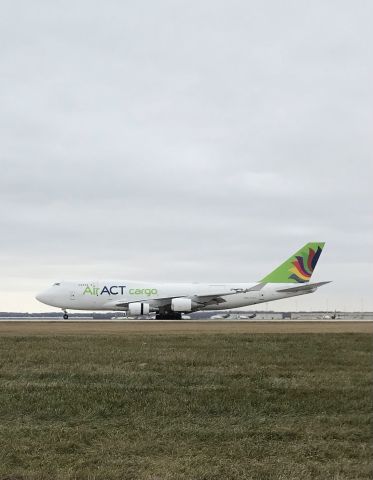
[208,406]
[152,327]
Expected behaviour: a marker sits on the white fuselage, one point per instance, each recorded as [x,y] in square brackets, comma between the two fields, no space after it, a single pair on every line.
[106,295]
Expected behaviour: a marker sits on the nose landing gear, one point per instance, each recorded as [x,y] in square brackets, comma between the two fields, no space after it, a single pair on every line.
[65,315]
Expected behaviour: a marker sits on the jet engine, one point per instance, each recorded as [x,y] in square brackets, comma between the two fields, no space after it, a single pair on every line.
[181,304]
[138,308]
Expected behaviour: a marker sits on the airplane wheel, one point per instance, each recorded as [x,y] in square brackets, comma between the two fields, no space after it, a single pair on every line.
[168,316]
[65,317]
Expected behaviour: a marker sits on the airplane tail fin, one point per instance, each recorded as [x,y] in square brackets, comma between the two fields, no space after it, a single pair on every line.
[299,267]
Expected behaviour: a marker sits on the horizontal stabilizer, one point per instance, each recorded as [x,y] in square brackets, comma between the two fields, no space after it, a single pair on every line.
[303,288]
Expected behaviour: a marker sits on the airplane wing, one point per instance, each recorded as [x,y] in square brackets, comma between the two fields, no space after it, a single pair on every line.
[209,299]
[202,300]
[158,302]
[309,287]
[162,302]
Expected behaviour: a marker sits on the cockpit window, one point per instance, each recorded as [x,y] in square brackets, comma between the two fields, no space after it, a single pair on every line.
[56,284]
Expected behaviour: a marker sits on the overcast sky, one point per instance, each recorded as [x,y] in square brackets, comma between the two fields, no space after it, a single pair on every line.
[185,141]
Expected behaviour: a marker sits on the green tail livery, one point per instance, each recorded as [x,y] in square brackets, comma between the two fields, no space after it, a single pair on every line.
[299,267]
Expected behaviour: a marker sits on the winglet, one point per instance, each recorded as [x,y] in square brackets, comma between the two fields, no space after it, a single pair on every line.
[299,267]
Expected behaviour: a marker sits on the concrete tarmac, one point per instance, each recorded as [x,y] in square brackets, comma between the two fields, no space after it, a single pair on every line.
[185,327]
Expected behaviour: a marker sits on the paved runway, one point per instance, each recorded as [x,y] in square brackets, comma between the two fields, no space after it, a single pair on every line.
[179,327]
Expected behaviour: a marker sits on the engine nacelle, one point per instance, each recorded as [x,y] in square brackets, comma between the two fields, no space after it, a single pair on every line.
[138,308]
[181,304]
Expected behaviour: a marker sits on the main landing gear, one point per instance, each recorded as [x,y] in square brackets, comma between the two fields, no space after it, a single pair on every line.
[168,316]
[65,315]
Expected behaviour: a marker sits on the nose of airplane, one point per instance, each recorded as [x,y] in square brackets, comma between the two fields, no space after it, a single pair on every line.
[38,297]
[42,297]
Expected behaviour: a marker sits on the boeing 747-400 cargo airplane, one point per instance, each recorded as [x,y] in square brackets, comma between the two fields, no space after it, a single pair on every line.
[171,300]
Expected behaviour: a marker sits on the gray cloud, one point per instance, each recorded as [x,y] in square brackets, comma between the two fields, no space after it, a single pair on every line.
[185,141]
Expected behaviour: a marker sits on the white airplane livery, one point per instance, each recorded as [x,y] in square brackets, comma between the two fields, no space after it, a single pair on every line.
[171,300]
